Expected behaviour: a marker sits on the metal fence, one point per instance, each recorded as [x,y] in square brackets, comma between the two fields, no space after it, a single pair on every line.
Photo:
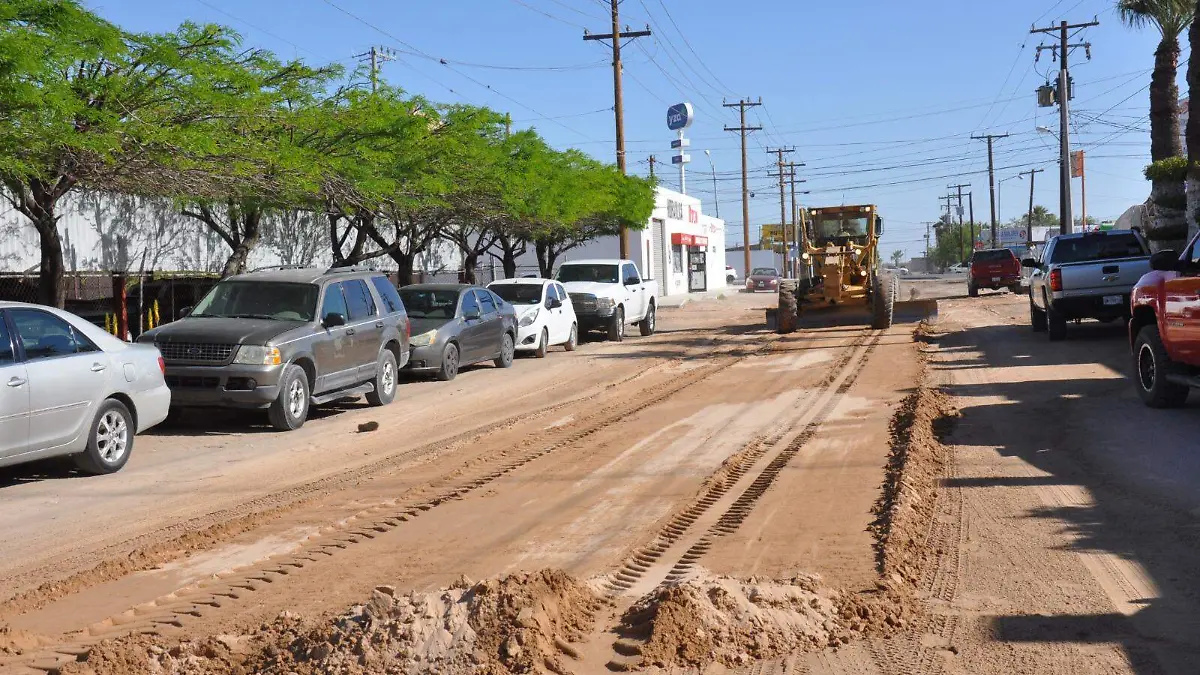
[127,304]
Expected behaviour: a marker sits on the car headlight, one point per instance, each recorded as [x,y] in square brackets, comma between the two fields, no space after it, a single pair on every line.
[254,355]
[605,303]
[424,339]
[529,318]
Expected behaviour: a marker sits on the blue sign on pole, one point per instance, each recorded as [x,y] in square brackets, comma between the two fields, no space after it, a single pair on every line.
[679,116]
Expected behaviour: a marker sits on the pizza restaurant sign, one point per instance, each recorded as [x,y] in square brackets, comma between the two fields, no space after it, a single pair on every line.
[675,211]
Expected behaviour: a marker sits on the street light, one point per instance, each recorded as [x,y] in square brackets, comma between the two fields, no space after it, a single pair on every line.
[999,203]
[716,203]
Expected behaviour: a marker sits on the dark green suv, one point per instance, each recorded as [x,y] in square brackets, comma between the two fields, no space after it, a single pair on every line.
[284,339]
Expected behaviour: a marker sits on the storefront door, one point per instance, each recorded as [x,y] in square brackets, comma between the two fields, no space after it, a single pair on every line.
[697,268]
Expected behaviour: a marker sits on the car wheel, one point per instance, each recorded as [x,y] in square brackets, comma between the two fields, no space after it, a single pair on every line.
[290,409]
[1151,365]
[1015,289]
[1056,324]
[449,369]
[385,380]
[616,326]
[505,360]
[543,345]
[646,326]
[573,341]
[1037,317]
[110,441]
[972,291]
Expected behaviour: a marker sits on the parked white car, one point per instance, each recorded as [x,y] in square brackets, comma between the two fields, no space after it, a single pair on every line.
[608,295]
[69,388]
[730,275]
[958,268]
[545,315]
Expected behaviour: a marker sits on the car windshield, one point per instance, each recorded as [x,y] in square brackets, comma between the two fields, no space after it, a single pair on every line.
[518,294]
[995,255]
[763,272]
[275,300]
[1097,247]
[605,274]
[427,303]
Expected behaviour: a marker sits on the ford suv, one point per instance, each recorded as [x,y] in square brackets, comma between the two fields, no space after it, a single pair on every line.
[284,339]
[1164,333]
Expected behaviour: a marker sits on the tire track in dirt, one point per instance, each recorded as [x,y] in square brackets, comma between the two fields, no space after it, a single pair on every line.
[174,610]
[687,537]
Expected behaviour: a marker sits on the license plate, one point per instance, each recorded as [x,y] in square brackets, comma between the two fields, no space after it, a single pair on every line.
[1112,299]
[995,280]
[760,284]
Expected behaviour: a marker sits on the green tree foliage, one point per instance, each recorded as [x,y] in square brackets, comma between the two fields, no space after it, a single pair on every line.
[1041,218]
[897,257]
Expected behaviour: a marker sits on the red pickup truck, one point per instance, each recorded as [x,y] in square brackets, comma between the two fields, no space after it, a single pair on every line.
[1164,333]
[994,268]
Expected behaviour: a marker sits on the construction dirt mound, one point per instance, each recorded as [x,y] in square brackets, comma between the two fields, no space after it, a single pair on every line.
[711,619]
[522,623]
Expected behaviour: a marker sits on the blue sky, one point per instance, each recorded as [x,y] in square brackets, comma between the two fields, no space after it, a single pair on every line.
[878,97]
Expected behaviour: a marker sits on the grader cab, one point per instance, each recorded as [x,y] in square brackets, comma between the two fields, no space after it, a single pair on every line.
[845,279]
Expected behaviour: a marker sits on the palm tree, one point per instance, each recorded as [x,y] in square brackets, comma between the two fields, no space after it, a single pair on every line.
[1171,18]
[1193,126]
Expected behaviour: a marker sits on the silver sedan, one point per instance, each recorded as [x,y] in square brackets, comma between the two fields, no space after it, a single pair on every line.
[69,388]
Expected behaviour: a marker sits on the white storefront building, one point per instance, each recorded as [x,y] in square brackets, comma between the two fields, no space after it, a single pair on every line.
[682,249]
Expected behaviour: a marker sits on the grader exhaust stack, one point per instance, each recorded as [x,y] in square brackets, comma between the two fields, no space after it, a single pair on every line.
[847,285]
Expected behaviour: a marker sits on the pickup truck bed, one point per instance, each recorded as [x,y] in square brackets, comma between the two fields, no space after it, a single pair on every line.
[1088,275]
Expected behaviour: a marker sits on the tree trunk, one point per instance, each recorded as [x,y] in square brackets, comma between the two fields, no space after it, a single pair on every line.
[404,263]
[50,274]
[250,228]
[1164,102]
[547,255]
[470,261]
[508,259]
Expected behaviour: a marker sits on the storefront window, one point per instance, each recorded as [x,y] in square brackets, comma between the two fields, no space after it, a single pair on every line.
[677,258]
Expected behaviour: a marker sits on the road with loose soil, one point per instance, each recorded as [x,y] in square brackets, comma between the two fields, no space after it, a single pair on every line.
[1051,524]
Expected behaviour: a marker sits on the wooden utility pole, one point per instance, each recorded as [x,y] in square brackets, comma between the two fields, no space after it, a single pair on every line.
[618,99]
[782,207]
[375,56]
[1064,97]
[960,187]
[1029,216]
[971,213]
[653,159]
[991,177]
[799,237]
[742,129]
[789,231]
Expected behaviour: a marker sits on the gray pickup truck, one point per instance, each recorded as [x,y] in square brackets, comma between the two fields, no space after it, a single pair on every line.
[285,339]
[1086,275]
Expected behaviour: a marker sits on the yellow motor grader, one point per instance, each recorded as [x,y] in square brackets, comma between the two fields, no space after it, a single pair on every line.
[840,250]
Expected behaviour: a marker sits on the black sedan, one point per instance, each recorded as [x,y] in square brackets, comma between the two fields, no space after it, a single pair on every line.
[455,325]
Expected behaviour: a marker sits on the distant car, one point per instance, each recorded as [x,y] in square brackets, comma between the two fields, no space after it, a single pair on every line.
[73,389]
[957,268]
[456,325]
[763,279]
[994,268]
[285,339]
[903,271]
[730,274]
[545,315]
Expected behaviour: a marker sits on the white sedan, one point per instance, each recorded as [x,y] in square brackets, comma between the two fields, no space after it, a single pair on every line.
[545,315]
[69,388]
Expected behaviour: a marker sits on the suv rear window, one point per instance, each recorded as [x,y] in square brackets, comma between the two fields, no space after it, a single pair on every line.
[387,293]
[1097,247]
[993,255]
[358,299]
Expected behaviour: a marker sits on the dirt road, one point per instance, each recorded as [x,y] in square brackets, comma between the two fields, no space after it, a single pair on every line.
[715,498]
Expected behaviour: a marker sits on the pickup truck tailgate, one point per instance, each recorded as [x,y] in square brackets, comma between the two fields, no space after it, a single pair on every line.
[1094,278]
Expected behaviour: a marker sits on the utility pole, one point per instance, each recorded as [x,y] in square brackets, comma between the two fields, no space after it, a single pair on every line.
[799,238]
[971,210]
[376,55]
[652,161]
[927,224]
[1077,171]
[782,208]
[789,231]
[991,177]
[960,214]
[618,100]
[1064,96]
[507,125]
[1029,216]
[742,129]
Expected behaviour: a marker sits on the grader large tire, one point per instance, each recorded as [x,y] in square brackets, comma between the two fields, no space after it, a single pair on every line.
[789,311]
[883,301]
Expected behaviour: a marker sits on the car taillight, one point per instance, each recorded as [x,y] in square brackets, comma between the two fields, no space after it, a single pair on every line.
[1056,280]
[408,329]
[162,365]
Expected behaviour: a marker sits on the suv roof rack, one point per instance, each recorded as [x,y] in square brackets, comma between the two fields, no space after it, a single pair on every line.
[267,268]
[352,268]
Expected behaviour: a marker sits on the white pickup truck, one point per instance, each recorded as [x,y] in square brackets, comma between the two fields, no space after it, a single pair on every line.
[608,295]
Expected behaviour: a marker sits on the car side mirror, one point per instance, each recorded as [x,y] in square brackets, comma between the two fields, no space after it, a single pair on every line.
[631,281]
[185,311]
[553,303]
[471,315]
[1165,261]
[333,320]
[1029,262]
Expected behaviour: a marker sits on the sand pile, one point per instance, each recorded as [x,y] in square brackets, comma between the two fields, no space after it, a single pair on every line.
[14,641]
[713,619]
[522,623]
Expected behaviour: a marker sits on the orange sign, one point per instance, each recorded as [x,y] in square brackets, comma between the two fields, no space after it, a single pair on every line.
[1076,164]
